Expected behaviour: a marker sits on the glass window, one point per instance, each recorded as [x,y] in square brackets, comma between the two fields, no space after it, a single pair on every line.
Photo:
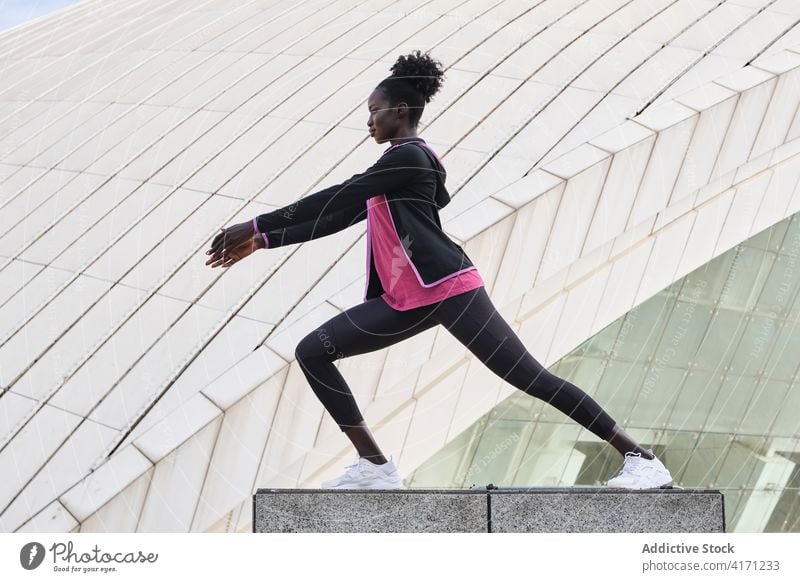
[707,370]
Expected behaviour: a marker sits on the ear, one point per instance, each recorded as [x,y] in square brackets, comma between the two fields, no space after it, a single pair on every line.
[402,109]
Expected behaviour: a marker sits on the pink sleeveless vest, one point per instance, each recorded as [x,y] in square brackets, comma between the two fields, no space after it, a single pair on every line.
[403,287]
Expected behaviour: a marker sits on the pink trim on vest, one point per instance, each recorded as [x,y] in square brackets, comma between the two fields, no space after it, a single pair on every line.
[264,236]
[369,252]
[419,143]
[433,153]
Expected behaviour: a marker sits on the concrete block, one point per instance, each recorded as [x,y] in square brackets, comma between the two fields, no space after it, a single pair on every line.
[488,509]
[365,511]
[605,509]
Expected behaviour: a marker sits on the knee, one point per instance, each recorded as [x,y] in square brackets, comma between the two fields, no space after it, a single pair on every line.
[317,344]
[306,349]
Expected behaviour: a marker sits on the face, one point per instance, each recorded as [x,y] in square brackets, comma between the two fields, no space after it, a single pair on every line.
[384,121]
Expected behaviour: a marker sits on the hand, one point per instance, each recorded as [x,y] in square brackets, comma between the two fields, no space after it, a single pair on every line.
[234,243]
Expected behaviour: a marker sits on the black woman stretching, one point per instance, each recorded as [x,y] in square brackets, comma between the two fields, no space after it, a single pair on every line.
[417,278]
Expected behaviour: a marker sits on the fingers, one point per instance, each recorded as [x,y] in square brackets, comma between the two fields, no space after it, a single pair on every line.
[220,258]
[217,243]
[217,250]
[223,262]
[216,256]
[230,237]
[225,258]
[230,245]
[229,261]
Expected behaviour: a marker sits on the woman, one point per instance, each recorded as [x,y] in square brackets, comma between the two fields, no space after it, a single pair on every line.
[417,278]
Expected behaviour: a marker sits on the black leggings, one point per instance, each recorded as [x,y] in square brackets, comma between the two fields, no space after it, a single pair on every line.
[471,318]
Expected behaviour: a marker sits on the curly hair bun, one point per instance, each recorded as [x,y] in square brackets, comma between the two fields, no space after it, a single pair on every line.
[422,71]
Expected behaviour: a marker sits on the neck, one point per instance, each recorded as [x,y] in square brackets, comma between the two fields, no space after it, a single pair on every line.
[405,137]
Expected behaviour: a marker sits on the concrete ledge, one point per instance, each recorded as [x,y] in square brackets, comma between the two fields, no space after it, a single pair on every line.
[364,510]
[492,510]
[604,509]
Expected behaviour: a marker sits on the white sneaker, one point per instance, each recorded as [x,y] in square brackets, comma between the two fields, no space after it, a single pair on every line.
[640,473]
[365,474]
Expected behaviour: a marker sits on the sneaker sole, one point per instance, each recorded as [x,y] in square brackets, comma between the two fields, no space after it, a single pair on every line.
[669,485]
[383,485]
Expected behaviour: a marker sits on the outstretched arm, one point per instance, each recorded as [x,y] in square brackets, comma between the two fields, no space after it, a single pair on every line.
[236,242]
[393,171]
[319,214]
[326,224]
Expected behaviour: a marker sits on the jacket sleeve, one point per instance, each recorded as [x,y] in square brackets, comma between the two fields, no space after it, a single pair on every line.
[328,223]
[393,171]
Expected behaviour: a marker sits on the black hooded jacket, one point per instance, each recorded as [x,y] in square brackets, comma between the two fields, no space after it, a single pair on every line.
[412,178]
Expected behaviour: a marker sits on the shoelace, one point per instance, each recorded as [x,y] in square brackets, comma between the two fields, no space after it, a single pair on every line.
[631,461]
[353,469]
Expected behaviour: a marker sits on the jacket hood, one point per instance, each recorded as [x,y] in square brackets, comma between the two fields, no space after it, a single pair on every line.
[441,197]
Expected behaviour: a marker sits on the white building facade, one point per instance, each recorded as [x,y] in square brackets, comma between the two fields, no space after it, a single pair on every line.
[624,176]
